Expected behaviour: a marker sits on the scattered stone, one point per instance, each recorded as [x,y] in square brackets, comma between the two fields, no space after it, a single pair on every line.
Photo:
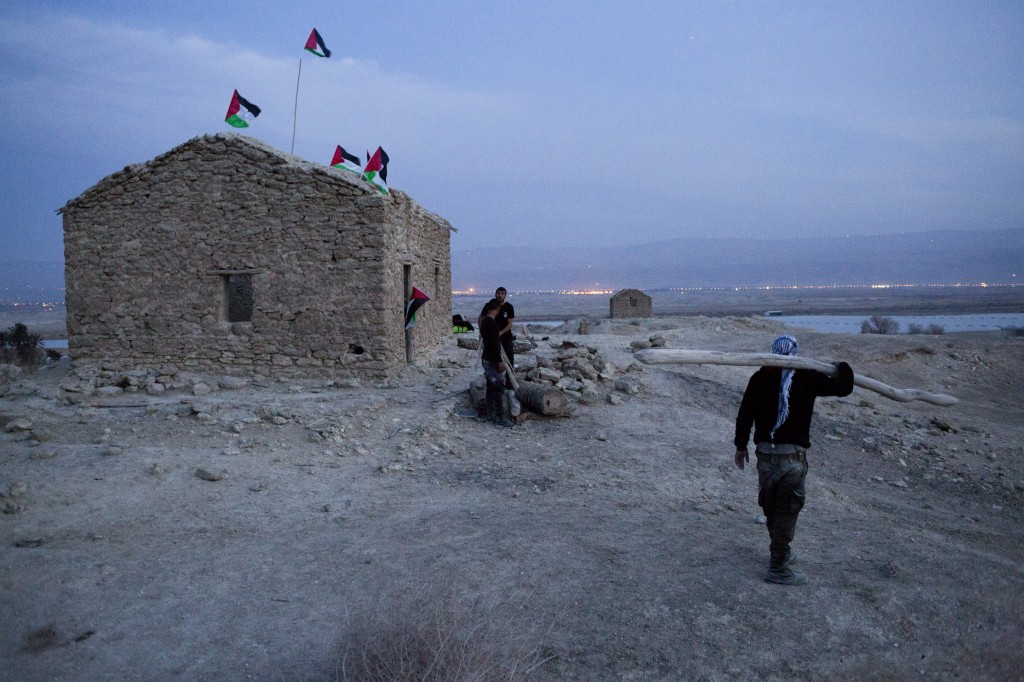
[232,383]
[109,391]
[11,507]
[208,475]
[628,386]
[231,451]
[256,487]
[156,470]
[45,453]
[112,451]
[614,399]
[18,489]
[201,389]
[156,388]
[18,425]
[639,344]
[42,435]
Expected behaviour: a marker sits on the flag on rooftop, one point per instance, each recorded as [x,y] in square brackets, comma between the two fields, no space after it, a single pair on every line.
[416,302]
[376,170]
[315,44]
[342,159]
[241,111]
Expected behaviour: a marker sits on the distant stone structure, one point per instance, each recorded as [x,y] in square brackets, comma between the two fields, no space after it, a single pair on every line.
[225,255]
[630,303]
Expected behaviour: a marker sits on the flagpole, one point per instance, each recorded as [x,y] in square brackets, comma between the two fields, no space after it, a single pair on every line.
[295,114]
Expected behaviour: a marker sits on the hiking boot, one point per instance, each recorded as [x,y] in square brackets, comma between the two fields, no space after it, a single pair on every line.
[504,423]
[785,576]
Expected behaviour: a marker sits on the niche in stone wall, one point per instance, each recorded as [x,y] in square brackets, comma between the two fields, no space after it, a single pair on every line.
[238,297]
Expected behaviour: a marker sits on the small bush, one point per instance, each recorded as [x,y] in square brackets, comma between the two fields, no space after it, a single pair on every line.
[930,329]
[19,346]
[438,637]
[936,329]
[877,324]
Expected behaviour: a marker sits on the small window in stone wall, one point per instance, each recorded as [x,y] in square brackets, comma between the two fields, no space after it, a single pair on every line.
[238,297]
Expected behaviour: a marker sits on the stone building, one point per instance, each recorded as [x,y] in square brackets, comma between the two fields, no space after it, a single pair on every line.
[225,255]
[630,303]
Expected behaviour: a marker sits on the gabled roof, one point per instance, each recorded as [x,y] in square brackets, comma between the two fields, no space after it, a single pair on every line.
[255,150]
[629,292]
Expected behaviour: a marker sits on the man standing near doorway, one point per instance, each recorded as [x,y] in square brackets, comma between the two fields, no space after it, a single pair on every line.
[506,313]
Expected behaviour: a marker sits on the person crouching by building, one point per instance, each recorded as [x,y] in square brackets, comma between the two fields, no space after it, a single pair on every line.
[494,366]
[779,403]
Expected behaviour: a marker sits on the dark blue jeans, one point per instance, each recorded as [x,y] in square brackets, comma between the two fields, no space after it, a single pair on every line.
[495,386]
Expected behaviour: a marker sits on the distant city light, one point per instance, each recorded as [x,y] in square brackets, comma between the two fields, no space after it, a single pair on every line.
[595,291]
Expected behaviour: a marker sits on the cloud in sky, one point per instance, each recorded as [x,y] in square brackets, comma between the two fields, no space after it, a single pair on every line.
[551,124]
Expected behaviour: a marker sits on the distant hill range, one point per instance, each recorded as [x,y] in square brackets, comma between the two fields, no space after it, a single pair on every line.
[940,257]
[945,257]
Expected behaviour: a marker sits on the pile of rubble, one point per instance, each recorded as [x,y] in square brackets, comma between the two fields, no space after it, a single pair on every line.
[579,371]
[85,381]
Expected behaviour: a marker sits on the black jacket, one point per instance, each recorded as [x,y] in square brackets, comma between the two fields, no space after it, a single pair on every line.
[760,405]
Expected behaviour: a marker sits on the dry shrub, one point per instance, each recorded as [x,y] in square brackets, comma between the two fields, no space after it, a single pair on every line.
[436,636]
[930,329]
[877,324]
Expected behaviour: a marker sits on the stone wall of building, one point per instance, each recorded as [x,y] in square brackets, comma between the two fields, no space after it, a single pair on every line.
[630,303]
[150,252]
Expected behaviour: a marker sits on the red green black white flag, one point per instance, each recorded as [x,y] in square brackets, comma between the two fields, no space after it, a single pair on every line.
[416,302]
[315,44]
[241,111]
[344,160]
[376,170]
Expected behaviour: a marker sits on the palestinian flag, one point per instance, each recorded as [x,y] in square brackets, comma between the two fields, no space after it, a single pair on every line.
[241,111]
[416,302]
[376,171]
[315,44]
[344,160]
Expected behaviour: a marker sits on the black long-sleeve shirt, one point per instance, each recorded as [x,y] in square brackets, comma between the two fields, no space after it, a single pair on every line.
[760,405]
[489,337]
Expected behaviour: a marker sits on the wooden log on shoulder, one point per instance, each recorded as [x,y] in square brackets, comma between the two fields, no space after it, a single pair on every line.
[679,356]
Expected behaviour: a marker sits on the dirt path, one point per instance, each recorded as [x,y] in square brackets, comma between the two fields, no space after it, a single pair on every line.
[617,543]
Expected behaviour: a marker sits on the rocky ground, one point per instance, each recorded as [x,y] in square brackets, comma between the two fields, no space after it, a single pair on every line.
[163,526]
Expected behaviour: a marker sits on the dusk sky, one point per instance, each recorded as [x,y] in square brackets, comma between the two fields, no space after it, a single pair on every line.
[545,123]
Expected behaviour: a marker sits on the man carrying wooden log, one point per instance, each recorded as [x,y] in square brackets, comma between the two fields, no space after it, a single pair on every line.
[779,403]
[494,367]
